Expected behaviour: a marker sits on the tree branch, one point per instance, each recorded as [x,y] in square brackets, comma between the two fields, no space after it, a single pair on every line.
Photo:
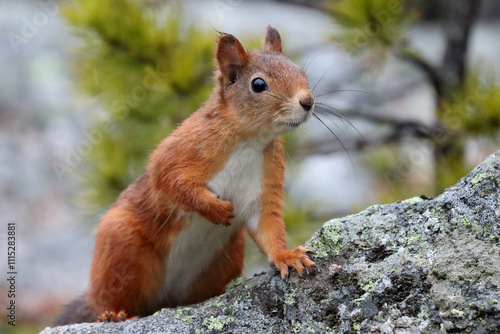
[316,4]
[430,71]
[400,128]
[460,18]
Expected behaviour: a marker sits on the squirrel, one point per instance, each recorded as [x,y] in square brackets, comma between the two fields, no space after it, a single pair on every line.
[176,235]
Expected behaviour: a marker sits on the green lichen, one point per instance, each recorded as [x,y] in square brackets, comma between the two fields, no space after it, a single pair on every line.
[234,283]
[291,299]
[412,200]
[311,329]
[297,328]
[478,179]
[179,312]
[358,301]
[424,313]
[370,286]
[215,323]
[437,211]
[188,319]
[373,208]
[329,240]
[413,239]
[356,326]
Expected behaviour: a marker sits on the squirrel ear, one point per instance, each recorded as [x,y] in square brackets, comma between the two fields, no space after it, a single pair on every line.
[231,56]
[272,43]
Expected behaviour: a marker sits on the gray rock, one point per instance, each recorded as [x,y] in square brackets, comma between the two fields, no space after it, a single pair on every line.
[424,265]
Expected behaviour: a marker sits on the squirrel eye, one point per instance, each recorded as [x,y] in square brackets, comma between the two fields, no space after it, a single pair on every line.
[258,85]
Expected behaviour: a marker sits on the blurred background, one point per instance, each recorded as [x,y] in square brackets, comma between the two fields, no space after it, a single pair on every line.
[406,93]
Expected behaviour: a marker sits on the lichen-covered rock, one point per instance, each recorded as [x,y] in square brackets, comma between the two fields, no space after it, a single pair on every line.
[424,265]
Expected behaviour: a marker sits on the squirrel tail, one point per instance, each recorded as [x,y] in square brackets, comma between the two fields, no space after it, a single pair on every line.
[77,311]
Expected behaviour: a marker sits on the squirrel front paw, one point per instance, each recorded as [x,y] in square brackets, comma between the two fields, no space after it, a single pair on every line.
[298,258]
[109,316]
[221,212]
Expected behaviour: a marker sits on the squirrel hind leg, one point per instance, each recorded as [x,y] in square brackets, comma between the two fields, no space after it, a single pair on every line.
[109,316]
[77,311]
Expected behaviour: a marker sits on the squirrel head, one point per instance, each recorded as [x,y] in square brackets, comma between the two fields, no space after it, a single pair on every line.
[266,92]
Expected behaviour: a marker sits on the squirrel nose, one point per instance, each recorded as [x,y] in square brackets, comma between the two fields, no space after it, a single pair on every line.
[307,102]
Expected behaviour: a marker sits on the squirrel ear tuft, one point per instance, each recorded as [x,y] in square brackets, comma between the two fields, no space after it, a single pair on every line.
[231,57]
[272,43]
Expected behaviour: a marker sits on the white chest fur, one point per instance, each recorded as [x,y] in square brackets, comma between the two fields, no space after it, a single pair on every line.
[240,181]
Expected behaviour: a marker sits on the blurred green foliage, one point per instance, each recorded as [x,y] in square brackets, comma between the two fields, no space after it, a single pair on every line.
[369,28]
[149,69]
[474,108]
[470,111]
[366,25]
[21,328]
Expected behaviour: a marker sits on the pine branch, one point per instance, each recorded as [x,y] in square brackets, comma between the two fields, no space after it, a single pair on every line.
[122,46]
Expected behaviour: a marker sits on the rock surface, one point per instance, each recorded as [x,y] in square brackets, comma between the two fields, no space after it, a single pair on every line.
[424,265]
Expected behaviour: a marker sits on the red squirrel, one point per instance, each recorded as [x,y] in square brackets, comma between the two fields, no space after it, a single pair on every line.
[176,235]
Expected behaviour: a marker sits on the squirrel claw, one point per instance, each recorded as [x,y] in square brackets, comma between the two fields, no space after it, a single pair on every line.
[111,317]
[297,258]
[302,274]
[310,253]
[312,270]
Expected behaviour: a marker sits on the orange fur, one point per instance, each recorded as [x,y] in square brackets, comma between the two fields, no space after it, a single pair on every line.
[136,238]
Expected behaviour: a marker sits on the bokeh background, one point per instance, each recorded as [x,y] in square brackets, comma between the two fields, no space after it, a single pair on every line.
[406,91]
